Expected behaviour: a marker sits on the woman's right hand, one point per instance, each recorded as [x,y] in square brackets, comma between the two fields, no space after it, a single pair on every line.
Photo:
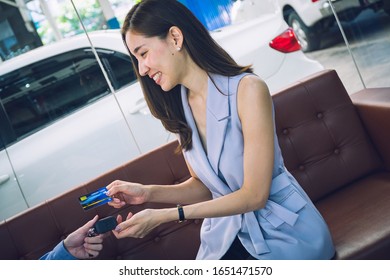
[123,193]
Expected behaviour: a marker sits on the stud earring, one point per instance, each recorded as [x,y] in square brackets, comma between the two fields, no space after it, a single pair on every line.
[178,49]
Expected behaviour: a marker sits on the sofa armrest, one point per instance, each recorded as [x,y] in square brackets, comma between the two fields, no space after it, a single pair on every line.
[373,106]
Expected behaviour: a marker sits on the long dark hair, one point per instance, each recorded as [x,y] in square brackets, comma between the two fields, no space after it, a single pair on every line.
[154,18]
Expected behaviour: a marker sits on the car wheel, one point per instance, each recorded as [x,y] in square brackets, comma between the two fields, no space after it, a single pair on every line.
[307,37]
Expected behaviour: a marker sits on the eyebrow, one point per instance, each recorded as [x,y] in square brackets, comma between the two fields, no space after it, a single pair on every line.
[137,48]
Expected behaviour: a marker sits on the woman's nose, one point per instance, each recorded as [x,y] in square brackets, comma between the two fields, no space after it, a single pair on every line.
[143,69]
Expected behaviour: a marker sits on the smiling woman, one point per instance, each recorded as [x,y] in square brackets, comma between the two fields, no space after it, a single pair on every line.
[223,116]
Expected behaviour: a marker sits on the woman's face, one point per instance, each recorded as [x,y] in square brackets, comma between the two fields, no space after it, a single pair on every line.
[157,58]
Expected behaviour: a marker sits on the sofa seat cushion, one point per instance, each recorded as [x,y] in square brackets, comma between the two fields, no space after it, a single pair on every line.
[363,232]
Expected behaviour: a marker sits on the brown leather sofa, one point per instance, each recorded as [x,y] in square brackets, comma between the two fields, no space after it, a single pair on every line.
[338,149]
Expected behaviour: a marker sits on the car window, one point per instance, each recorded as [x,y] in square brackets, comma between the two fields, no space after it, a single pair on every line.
[38,94]
[119,67]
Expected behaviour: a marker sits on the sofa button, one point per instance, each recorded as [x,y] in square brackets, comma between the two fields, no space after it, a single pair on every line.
[157,239]
[336,151]
[285,131]
[301,167]
[320,115]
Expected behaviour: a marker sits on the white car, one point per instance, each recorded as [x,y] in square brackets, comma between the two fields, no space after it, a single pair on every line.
[62,123]
[311,18]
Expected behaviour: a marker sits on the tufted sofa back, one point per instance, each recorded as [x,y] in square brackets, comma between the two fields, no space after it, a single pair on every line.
[323,142]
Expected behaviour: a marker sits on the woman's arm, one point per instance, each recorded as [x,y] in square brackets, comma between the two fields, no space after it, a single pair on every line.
[188,192]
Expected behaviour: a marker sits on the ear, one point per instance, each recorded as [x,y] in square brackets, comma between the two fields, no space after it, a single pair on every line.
[176,36]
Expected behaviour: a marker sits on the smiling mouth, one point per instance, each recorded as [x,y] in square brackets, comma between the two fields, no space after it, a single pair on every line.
[156,77]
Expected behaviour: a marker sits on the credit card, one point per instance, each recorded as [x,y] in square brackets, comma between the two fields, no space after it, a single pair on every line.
[94,199]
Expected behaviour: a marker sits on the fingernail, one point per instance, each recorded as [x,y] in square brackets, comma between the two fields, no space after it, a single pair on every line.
[118,229]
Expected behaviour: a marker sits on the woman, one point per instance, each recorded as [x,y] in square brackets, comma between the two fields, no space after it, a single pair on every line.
[222,113]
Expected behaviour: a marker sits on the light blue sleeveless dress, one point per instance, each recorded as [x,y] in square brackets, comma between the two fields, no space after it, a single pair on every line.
[288,227]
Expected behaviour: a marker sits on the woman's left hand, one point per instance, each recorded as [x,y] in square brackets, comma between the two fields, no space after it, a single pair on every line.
[137,225]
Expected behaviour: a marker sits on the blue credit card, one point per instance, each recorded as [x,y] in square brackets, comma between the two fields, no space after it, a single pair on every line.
[94,199]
